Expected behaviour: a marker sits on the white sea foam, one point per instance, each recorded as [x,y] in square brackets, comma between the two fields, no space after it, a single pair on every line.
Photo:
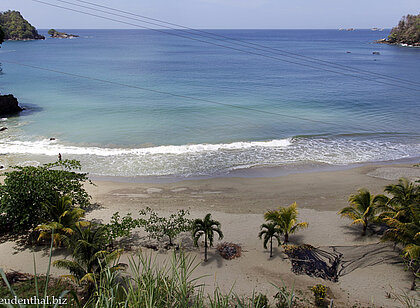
[211,159]
[52,147]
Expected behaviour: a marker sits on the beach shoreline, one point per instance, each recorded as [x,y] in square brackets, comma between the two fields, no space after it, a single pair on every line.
[239,204]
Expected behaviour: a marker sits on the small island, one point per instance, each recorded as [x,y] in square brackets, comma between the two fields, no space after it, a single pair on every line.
[407,33]
[55,34]
[14,27]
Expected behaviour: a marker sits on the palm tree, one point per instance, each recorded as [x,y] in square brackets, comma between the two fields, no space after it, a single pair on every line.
[285,218]
[407,234]
[404,194]
[206,227]
[89,256]
[63,219]
[363,208]
[269,231]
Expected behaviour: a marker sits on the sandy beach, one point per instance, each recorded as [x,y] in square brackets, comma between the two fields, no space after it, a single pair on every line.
[371,268]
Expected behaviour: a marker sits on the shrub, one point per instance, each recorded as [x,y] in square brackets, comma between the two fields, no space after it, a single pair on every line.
[120,227]
[26,188]
[261,301]
[319,291]
[158,227]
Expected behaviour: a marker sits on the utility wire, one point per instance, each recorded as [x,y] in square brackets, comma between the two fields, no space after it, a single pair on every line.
[216,44]
[172,94]
[227,38]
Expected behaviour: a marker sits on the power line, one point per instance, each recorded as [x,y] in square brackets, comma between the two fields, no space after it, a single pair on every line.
[216,44]
[218,36]
[173,94]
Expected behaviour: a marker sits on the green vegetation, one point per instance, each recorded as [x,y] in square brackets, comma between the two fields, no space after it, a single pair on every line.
[206,227]
[90,257]
[407,31]
[159,226]
[363,208]
[64,218]
[320,292]
[269,231]
[15,27]
[26,188]
[399,210]
[120,227]
[285,218]
[55,33]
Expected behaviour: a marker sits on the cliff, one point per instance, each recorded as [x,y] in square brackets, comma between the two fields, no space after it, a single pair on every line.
[9,105]
[407,31]
[15,27]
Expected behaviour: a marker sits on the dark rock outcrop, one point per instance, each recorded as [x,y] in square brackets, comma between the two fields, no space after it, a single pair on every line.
[55,34]
[9,105]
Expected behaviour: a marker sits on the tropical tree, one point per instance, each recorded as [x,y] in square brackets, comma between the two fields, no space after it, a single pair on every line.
[403,195]
[269,231]
[63,218]
[206,227]
[407,234]
[363,208]
[285,218]
[89,257]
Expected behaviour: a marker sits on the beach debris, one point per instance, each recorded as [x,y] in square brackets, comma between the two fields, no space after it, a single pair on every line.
[313,262]
[229,251]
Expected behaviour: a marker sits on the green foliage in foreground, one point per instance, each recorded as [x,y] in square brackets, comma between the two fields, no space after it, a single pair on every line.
[15,27]
[89,255]
[25,189]
[64,218]
[407,31]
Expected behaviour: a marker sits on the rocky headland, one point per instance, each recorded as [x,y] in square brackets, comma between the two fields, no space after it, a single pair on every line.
[15,27]
[407,33]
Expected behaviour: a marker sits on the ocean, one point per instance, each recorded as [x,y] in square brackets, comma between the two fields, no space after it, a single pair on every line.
[171,106]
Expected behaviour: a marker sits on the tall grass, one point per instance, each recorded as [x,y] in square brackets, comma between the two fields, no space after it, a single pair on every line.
[151,284]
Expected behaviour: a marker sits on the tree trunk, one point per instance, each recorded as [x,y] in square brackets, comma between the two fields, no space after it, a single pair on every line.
[364,229]
[205,247]
[413,284]
[286,237]
[271,247]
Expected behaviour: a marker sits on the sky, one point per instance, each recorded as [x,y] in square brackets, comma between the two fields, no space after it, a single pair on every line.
[227,14]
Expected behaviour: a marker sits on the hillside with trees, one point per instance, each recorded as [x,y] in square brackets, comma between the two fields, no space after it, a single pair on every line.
[15,27]
[407,31]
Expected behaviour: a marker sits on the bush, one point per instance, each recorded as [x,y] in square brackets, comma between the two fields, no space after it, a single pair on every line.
[319,291]
[261,301]
[120,227]
[159,227]
[26,188]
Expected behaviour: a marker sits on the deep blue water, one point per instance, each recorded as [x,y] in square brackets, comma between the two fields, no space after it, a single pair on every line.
[300,113]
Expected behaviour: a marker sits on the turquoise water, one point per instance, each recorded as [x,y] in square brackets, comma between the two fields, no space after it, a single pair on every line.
[311,117]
